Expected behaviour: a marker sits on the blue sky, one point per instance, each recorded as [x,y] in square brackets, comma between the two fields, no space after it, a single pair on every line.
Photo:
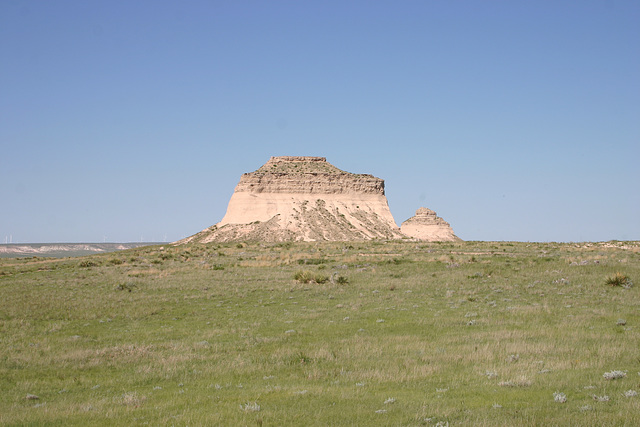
[123,121]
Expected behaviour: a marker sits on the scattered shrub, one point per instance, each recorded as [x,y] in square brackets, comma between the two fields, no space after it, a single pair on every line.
[87,263]
[341,280]
[285,245]
[321,278]
[306,276]
[619,279]
[125,287]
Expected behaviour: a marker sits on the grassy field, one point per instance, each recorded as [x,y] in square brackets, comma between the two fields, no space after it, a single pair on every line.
[385,333]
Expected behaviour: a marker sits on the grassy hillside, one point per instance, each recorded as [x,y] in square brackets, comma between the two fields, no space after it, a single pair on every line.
[399,333]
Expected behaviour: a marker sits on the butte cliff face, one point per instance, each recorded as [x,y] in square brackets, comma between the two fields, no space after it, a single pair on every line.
[426,225]
[304,198]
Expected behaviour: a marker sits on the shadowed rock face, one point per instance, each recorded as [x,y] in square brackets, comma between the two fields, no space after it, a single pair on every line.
[304,198]
[427,226]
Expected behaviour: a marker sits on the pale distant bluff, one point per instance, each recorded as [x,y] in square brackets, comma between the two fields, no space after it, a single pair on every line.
[426,225]
[308,199]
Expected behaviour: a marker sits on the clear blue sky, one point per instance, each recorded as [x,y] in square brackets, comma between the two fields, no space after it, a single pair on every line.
[130,120]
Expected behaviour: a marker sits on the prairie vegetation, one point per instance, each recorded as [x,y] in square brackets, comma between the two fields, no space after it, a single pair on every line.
[386,333]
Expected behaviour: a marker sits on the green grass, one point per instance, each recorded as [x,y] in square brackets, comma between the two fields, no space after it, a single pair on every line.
[469,333]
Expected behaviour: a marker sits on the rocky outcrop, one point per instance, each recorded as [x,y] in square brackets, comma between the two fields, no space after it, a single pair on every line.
[304,198]
[307,175]
[427,226]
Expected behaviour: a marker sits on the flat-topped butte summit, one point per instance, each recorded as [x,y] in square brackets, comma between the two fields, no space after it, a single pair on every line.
[293,198]
[307,175]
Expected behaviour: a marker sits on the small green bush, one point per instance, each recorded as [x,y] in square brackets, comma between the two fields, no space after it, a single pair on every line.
[306,276]
[619,279]
[341,280]
[87,263]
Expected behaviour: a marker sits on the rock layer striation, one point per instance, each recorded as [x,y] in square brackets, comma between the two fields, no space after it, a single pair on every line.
[304,198]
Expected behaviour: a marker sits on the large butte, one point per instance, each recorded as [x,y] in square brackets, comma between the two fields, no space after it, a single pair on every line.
[304,198]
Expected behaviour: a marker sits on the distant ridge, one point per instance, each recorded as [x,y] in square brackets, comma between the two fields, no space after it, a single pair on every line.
[61,250]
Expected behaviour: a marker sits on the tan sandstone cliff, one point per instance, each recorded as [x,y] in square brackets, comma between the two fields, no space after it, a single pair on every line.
[426,225]
[304,198]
